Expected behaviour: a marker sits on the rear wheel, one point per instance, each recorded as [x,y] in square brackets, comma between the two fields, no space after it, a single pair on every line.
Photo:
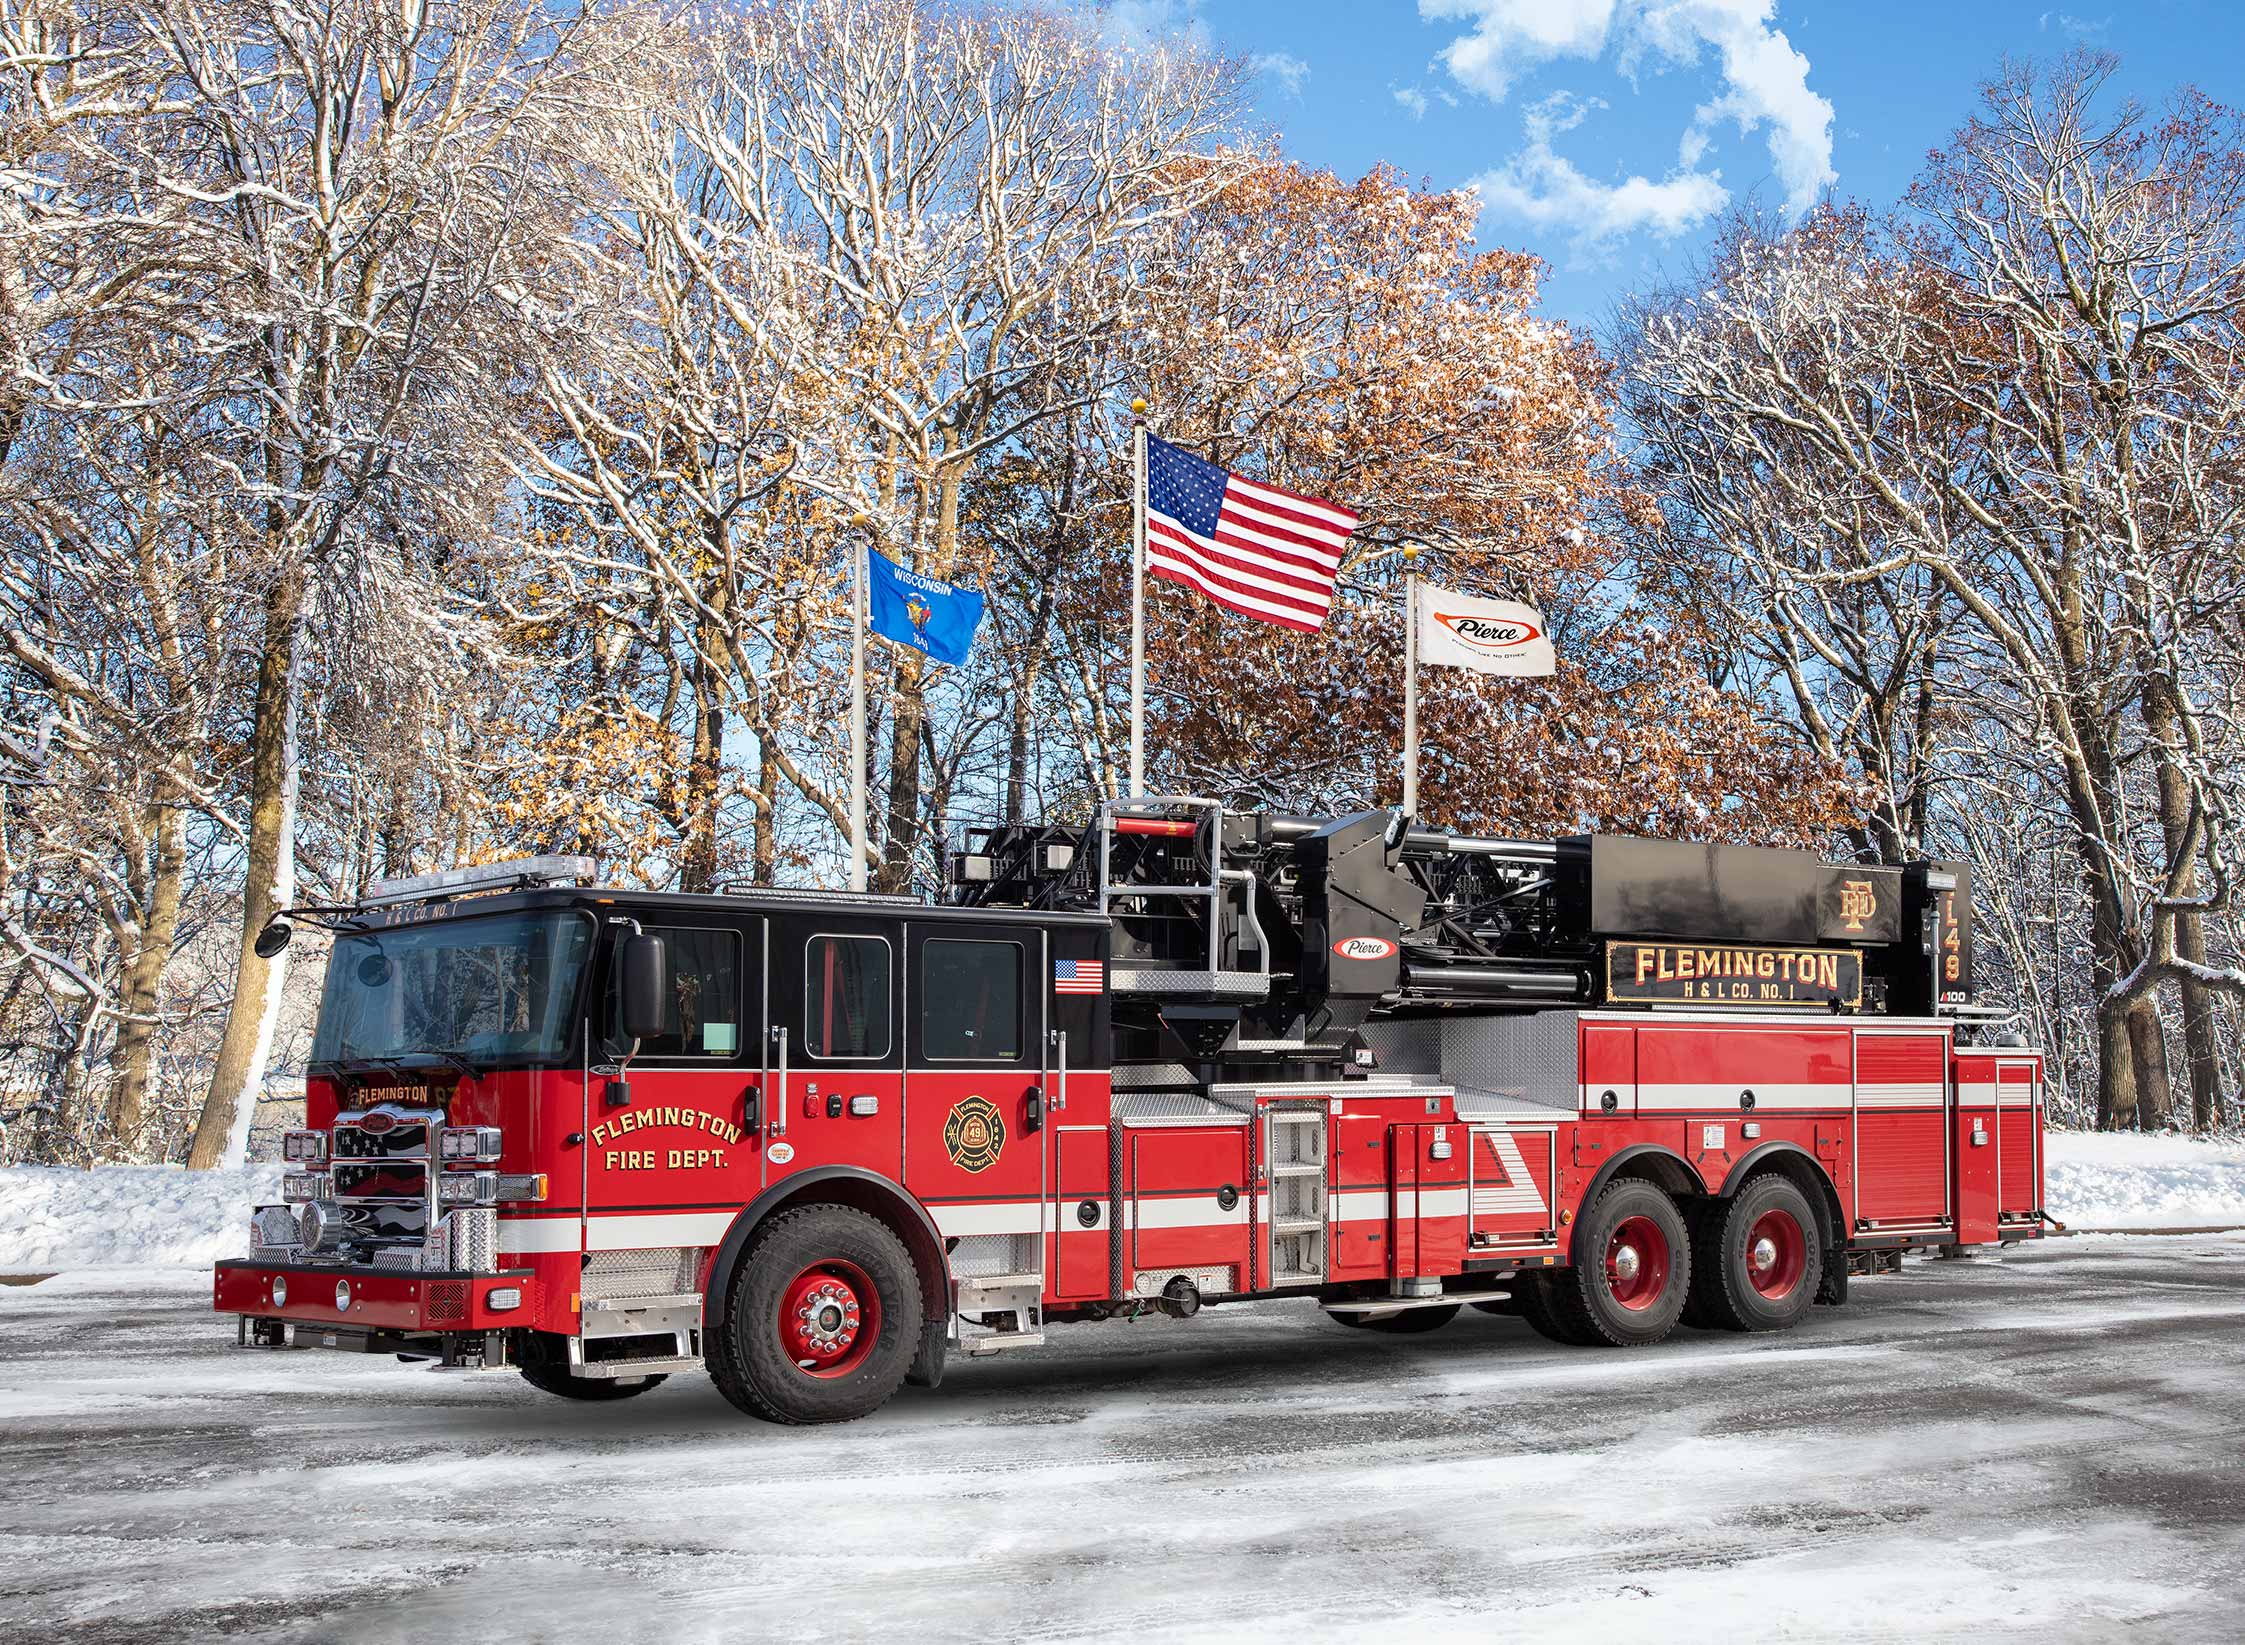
[821,1320]
[1631,1270]
[1760,1254]
[551,1379]
[1534,1299]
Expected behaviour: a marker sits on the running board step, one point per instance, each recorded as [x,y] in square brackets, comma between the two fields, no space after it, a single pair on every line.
[1392,1305]
[611,1370]
[1001,1342]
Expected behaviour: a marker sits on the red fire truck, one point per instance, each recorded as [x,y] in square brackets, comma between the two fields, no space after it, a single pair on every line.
[814,1142]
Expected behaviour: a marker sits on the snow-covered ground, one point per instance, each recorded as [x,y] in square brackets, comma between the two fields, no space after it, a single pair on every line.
[2129,1180]
[2042,1448]
[127,1216]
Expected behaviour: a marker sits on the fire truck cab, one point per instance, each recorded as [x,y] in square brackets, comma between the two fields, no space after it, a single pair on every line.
[815,1142]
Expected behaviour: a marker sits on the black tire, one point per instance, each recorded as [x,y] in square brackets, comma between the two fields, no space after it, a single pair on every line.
[1636,1308]
[551,1379]
[1733,1293]
[758,1371]
[1701,1217]
[1533,1298]
[1413,1322]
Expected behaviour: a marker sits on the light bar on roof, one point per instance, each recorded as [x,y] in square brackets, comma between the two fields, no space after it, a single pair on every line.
[490,876]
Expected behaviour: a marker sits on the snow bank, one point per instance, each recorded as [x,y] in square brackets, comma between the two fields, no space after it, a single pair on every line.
[2096,1179]
[127,1216]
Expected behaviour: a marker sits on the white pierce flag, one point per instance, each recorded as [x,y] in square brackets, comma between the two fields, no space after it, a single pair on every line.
[1488,636]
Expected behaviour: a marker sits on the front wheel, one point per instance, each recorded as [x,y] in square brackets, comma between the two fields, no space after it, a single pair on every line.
[1630,1271]
[821,1320]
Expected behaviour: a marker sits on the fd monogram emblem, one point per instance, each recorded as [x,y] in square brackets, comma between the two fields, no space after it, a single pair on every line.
[1858,902]
[975,1134]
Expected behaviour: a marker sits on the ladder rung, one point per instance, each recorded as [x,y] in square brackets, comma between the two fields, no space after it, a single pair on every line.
[1297,1170]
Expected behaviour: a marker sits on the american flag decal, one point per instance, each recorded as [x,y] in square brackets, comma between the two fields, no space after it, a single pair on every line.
[1251,548]
[1078,976]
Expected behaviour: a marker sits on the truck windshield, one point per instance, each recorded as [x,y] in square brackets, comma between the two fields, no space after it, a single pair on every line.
[484,988]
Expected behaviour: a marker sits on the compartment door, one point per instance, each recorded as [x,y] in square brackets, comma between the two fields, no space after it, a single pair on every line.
[1510,1184]
[1901,1129]
[2019,1132]
[1188,1208]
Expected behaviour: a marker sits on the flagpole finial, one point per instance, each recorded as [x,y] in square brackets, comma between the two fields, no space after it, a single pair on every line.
[1138,408]
[860,520]
[1410,552]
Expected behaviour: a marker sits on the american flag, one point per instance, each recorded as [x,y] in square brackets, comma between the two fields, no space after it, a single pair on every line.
[1251,548]
[1078,976]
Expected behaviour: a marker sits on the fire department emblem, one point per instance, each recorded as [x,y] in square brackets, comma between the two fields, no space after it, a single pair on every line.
[1858,902]
[975,1134]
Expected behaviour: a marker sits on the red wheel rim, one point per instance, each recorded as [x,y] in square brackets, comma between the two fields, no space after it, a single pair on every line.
[829,1318]
[1776,1254]
[1637,1263]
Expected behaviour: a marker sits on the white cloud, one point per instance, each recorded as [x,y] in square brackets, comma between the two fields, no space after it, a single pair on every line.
[1764,79]
[1541,187]
[2074,28]
[1413,100]
[1284,67]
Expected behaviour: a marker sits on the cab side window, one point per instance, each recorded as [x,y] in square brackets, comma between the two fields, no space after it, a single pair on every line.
[970,1000]
[846,997]
[703,1015]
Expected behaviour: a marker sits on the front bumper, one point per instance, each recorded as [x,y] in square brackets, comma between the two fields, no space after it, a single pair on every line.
[386,1300]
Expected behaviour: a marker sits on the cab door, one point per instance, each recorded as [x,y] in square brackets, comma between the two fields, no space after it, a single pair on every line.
[669,1135]
[837,978]
[976,1141]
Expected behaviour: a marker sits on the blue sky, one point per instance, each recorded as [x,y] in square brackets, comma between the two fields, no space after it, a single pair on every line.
[1605,133]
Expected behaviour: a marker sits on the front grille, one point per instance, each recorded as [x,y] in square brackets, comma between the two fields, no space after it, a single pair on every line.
[405,1140]
[384,1179]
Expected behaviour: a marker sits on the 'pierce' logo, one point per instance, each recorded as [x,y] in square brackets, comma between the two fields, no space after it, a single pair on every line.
[1483,634]
[1364,948]
[975,1134]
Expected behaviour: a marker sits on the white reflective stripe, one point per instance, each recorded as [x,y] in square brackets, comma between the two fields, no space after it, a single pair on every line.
[639,1233]
[1198,1211]
[1725,1096]
[1915,1094]
[992,1217]
[1359,1205]
[1594,1097]
[529,1236]
[1976,1095]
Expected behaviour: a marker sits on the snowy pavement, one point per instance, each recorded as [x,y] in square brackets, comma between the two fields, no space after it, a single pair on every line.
[2046,1447]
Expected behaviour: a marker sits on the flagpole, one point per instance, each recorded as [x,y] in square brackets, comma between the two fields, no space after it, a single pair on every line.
[1411,681]
[862,547]
[1138,597]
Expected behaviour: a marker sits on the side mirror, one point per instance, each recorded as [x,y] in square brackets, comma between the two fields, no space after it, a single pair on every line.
[643,986]
[272,939]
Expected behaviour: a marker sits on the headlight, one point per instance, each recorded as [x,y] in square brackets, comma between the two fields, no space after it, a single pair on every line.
[504,1298]
[304,1147]
[280,1290]
[299,1186]
[468,1188]
[469,1144]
